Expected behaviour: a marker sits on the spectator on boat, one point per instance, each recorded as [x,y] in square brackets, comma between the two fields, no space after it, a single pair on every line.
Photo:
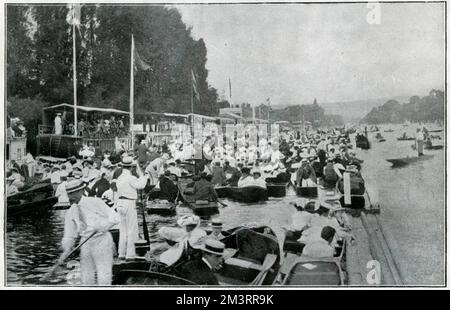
[154,167]
[321,247]
[218,175]
[258,180]
[64,172]
[168,187]
[31,164]
[127,186]
[305,172]
[300,221]
[58,124]
[141,152]
[201,271]
[216,233]
[55,177]
[11,189]
[86,216]
[330,176]
[110,195]
[61,192]
[232,173]
[419,141]
[173,169]
[246,179]
[204,190]
[100,186]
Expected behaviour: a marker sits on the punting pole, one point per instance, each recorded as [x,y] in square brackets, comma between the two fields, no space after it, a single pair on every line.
[132,92]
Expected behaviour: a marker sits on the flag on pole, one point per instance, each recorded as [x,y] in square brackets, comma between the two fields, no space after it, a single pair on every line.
[229,84]
[195,94]
[139,64]
[76,20]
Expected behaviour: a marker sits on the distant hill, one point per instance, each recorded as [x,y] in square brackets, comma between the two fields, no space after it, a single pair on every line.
[354,111]
[416,109]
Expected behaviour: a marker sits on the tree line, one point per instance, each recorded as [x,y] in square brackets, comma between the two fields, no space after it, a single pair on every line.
[39,58]
[429,108]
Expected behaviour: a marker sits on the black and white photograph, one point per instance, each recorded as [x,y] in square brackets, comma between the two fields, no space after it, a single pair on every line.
[224,145]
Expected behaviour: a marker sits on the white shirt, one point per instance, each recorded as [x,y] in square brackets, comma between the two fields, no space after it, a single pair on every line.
[58,126]
[308,183]
[175,170]
[318,249]
[155,165]
[247,181]
[55,177]
[61,193]
[127,184]
[89,215]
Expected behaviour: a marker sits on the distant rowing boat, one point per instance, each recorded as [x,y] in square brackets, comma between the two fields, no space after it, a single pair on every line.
[399,162]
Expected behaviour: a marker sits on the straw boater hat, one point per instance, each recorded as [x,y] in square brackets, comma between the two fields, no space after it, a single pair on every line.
[213,247]
[127,162]
[216,223]
[74,186]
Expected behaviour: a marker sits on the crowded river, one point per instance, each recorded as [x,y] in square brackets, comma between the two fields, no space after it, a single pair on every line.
[412,213]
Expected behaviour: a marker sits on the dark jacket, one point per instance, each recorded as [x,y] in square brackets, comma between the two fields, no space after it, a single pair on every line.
[100,187]
[198,272]
[168,188]
[218,176]
[204,190]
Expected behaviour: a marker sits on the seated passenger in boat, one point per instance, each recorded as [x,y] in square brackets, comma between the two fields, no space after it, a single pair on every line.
[232,174]
[188,246]
[321,247]
[173,168]
[168,187]
[201,270]
[305,172]
[61,193]
[17,180]
[330,177]
[204,190]
[216,233]
[218,175]
[258,180]
[246,179]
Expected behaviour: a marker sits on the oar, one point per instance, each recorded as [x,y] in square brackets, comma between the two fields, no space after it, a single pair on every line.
[268,263]
[222,203]
[63,257]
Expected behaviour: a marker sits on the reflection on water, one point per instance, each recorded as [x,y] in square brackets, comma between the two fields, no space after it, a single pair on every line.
[411,198]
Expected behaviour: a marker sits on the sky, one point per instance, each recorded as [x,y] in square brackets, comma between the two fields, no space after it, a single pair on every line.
[293,53]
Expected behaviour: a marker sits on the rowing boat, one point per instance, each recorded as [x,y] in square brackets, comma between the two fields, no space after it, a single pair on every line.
[248,194]
[37,198]
[400,162]
[161,207]
[255,260]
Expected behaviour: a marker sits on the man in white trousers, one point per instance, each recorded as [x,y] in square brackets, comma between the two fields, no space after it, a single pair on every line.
[90,217]
[127,186]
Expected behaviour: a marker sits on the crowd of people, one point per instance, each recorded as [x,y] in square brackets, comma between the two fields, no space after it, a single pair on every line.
[101,193]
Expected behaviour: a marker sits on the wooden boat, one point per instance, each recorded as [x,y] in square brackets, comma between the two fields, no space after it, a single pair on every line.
[161,207]
[277,189]
[302,270]
[249,194]
[362,142]
[406,138]
[434,147]
[389,130]
[200,208]
[255,261]
[400,162]
[436,130]
[37,198]
[381,140]
[298,269]
[307,192]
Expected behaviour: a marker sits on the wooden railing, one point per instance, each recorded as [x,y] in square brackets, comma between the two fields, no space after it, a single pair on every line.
[45,129]
[108,144]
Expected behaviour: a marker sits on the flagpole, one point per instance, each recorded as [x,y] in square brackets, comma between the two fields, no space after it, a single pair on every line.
[75,118]
[192,102]
[132,92]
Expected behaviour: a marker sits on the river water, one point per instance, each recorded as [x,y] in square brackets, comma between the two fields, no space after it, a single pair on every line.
[412,213]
